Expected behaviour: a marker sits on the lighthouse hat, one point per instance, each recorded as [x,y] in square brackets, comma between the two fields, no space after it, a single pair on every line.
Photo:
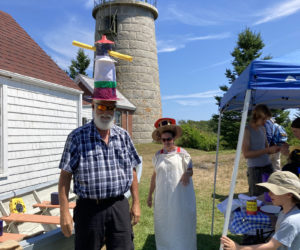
[105,72]
[166,124]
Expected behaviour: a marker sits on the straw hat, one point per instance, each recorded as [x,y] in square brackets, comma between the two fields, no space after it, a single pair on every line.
[166,124]
[283,182]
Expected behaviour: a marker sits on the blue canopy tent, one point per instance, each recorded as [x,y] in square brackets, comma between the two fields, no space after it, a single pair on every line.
[276,84]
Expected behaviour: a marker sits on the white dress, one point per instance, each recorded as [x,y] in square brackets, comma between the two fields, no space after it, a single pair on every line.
[174,204]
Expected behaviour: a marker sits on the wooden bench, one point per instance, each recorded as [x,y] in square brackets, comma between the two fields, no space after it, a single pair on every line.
[10,236]
[35,218]
[47,204]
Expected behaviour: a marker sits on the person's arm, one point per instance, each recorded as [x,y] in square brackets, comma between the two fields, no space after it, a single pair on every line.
[185,178]
[229,244]
[151,189]
[135,211]
[255,153]
[66,221]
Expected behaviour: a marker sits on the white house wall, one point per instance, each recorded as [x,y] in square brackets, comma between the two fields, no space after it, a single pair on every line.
[87,112]
[38,121]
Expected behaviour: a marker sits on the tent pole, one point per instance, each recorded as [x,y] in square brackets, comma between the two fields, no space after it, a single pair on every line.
[215,178]
[236,163]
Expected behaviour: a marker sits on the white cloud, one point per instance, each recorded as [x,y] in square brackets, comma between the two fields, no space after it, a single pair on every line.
[291,57]
[89,4]
[210,37]
[193,102]
[286,8]
[168,46]
[187,18]
[59,41]
[201,95]
[180,42]
[212,66]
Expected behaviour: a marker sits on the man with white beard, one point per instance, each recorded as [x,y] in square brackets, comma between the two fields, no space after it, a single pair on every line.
[101,158]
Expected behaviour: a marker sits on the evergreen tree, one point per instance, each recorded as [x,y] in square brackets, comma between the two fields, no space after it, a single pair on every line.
[79,65]
[248,48]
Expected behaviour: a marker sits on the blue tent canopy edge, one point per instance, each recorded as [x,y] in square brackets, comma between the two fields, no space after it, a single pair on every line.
[276,84]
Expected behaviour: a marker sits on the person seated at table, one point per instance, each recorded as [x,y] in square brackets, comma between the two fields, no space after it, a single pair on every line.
[256,149]
[284,190]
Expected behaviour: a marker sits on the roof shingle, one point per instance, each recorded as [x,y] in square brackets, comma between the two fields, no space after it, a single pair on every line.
[19,53]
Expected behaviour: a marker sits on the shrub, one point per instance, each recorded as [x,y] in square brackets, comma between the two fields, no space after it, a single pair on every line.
[195,138]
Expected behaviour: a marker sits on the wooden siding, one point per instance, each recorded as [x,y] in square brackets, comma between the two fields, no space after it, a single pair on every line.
[38,122]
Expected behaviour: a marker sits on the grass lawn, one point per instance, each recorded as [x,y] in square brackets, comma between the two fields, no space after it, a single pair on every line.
[203,178]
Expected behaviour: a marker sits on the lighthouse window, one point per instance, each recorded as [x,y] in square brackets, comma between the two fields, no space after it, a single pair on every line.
[109,25]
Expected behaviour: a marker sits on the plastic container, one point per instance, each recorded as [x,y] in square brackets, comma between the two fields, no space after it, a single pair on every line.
[251,207]
[54,198]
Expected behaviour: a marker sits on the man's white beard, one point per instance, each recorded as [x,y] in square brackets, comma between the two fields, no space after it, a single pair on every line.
[103,122]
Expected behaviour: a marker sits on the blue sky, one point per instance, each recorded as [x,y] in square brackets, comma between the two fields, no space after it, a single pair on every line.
[194,41]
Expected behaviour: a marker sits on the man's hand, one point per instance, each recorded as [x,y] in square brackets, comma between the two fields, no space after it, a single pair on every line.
[229,244]
[135,213]
[66,224]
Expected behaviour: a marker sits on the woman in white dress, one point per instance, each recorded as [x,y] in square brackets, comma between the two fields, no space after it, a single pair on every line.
[174,199]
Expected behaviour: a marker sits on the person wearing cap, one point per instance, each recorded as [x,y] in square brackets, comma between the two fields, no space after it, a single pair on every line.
[174,199]
[101,158]
[257,150]
[284,190]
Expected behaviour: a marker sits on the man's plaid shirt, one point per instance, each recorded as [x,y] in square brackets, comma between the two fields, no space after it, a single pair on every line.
[100,171]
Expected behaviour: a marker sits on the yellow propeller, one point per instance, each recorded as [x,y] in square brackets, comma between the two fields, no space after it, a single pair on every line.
[110,52]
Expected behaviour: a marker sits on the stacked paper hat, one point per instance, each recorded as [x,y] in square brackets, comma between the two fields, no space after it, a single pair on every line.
[105,72]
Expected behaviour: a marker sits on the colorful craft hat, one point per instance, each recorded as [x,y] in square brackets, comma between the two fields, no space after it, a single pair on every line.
[166,124]
[105,72]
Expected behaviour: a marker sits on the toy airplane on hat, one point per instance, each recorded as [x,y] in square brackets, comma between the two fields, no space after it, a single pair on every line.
[105,82]
[103,47]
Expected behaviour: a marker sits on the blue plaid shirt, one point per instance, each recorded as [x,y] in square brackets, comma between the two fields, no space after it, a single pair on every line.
[99,170]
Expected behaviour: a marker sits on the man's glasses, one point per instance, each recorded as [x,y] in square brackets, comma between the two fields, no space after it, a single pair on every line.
[105,108]
[167,139]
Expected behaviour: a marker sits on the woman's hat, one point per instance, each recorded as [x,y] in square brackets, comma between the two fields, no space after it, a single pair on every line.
[166,124]
[283,182]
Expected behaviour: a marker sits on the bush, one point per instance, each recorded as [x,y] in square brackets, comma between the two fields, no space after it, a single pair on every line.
[195,138]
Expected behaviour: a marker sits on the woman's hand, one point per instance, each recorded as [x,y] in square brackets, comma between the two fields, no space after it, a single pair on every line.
[149,201]
[273,149]
[229,244]
[185,178]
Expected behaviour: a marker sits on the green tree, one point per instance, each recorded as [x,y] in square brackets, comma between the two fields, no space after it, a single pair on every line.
[79,65]
[248,48]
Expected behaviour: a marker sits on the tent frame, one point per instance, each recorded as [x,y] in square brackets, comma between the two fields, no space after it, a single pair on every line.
[236,164]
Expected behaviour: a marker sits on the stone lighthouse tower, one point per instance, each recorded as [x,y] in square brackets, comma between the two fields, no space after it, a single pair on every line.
[130,24]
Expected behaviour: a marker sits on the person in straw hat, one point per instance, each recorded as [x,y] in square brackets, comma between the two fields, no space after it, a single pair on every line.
[284,190]
[102,159]
[174,199]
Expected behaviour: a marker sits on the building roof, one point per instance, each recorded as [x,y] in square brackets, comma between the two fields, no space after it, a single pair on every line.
[123,103]
[19,53]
